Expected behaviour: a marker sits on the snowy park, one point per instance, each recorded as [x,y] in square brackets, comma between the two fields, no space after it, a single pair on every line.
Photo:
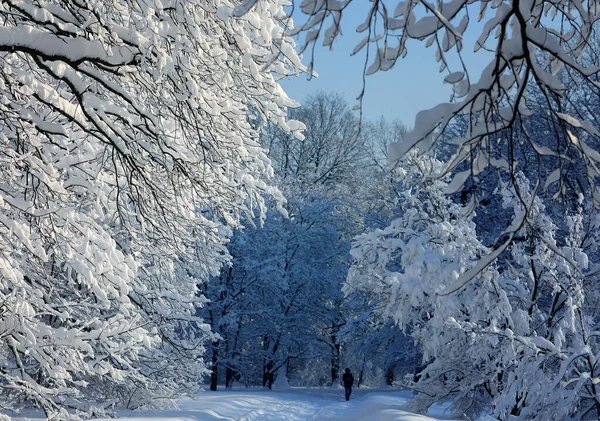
[300,210]
[297,404]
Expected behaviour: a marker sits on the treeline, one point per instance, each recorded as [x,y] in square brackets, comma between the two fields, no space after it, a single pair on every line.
[278,306]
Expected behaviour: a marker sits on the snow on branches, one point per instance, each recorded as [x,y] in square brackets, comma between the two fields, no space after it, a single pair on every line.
[520,339]
[128,134]
[544,46]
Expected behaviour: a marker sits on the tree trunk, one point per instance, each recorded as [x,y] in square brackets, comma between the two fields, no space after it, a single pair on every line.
[214,369]
[334,371]
[361,374]
[335,360]
[268,374]
[229,377]
[389,376]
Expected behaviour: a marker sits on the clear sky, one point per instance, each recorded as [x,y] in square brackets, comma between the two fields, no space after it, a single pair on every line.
[412,85]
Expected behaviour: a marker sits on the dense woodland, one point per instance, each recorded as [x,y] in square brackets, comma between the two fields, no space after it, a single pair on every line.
[170,218]
[278,304]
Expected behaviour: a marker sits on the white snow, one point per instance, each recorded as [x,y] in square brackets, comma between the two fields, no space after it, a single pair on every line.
[294,404]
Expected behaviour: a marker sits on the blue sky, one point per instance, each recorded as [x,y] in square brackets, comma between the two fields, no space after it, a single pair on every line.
[412,85]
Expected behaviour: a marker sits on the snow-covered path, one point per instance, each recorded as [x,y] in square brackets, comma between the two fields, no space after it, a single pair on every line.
[295,404]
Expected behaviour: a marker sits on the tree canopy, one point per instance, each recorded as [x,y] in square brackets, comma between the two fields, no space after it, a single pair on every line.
[545,46]
[129,134]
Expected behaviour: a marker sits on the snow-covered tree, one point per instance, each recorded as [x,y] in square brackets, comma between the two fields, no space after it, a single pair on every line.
[331,147]
[546,44]
[520,338]
[406,267]
[279,304]
[376,349]
[127,143]
[552,330]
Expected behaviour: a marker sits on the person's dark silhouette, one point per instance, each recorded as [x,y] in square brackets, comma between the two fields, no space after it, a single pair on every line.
[348,379]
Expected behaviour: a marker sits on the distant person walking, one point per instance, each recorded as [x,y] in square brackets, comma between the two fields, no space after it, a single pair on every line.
[348,379]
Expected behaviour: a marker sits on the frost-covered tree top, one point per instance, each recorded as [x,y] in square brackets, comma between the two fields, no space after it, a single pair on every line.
[128,134]
[546,44]
[520,340]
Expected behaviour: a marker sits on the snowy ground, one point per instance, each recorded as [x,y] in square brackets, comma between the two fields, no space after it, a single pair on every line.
[294,404]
